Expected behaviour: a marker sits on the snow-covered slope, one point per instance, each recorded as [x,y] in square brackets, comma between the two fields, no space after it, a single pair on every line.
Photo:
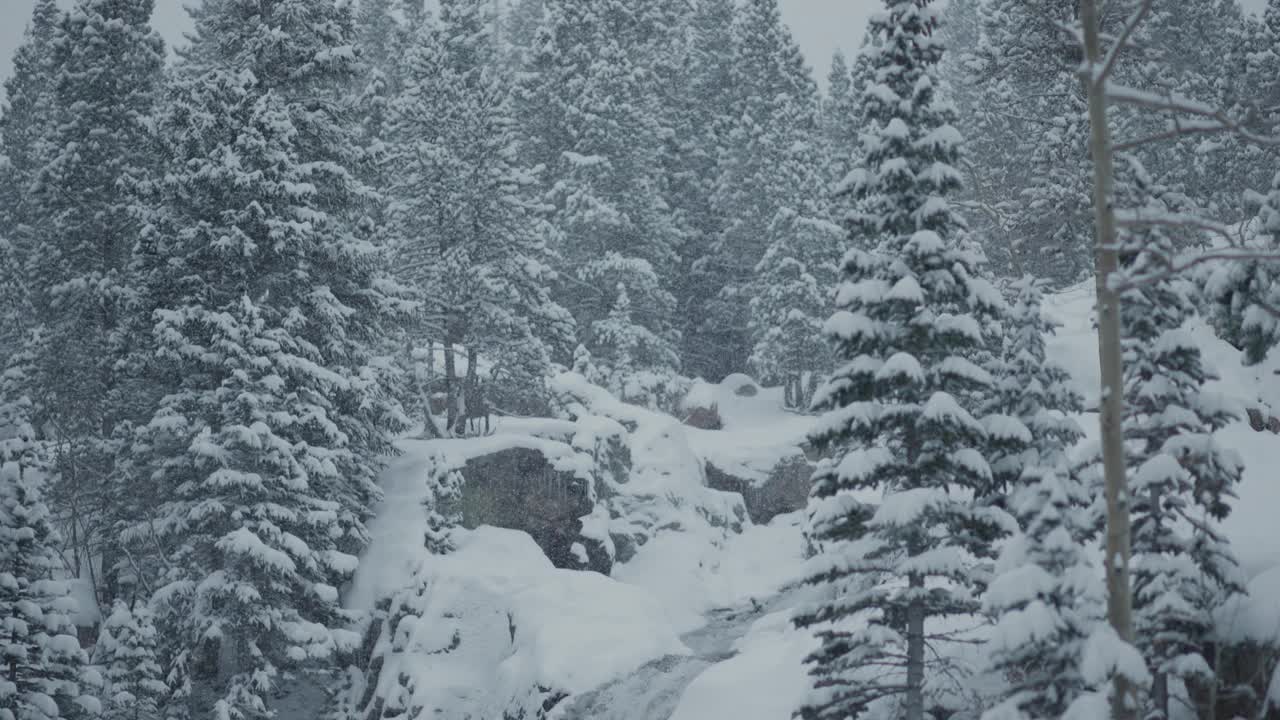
[1252,528]
[697,624]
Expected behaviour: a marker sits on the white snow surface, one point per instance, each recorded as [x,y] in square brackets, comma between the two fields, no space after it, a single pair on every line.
[647,631]
[766,680]
[494,620]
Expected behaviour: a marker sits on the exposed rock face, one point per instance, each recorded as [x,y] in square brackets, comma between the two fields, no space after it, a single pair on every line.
[786,489]
[704,418]
[1260,421]
[518,489]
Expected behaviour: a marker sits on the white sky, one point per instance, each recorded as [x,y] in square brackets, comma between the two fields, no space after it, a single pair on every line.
[820,26]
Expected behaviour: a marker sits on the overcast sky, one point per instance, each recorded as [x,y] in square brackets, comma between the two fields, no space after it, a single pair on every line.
[820,26]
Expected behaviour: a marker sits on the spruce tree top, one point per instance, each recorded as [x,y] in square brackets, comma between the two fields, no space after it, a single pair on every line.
[912,304]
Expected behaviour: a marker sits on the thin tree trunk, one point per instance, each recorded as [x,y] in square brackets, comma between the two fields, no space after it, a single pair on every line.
[450,386]
[469,389]
[915,652]
[1111,410]
[1160,694]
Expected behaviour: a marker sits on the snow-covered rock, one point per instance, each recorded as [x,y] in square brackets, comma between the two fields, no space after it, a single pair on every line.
[494,629]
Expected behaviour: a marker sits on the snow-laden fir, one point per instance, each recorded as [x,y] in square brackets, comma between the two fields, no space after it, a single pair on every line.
[582,359]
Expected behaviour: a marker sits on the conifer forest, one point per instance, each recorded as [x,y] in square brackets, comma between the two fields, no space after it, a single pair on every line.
[625,360]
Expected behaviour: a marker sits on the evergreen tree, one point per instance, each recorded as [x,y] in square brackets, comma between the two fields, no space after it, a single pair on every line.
[625,349]
[1244,297]
[520,31]
[1194,51]
[127,650]
[901,404]
[471,240]
[24,119]
[266,307]
[1182,481]
[1033,389]
[841,119]
[703,119]
[1027,112]
[107,69]
[588,108]
[45,673]
[15,303]
[788,313]
[774,114]
[1046,597]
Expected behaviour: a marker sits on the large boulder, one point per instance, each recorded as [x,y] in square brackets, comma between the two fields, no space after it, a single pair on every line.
[700,408]
[518,488]
[784,489]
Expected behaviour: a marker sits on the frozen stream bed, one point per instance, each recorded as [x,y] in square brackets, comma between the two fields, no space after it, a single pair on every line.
[654,690]
[751,647]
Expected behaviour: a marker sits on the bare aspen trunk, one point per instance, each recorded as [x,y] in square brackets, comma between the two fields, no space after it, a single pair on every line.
[1111,401]
[915,653]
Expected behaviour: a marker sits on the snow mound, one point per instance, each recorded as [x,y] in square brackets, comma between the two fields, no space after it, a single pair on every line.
[692,573]
[493,630]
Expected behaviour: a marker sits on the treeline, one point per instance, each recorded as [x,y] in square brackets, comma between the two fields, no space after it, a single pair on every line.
[972,556]
[227,282]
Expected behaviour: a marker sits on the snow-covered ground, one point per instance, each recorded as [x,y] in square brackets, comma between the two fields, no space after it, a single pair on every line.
[697,625]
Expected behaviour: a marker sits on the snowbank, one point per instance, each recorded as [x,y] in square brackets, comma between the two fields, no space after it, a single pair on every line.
[692,574]
[766,680]
[493,628]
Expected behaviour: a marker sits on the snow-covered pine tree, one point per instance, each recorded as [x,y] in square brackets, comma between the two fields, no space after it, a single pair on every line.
[265,304]
[126,649]
[704,117]
[107,64]
[1243,297]
[382,42]
[788,311]
[1194,51]
[1033,389]
[1182,480]
[774,111]
[628,359]
[901,403]
[1047,597]
[24,120]
[444,513]
[841,118]
[470,238]
[15,303]
[520,31]
[648,310]
[587,104]
[1032,170]
[45,670]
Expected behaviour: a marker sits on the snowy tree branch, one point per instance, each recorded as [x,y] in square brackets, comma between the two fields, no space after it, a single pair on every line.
[1130,26]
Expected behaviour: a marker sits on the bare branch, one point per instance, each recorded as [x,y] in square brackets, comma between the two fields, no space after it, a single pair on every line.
[1136,218]
[1169,102]
[1130,26]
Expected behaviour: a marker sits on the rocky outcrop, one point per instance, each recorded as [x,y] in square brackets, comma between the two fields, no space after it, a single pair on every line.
[1261,421]
[704,418]
[785,488]
[518,489]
